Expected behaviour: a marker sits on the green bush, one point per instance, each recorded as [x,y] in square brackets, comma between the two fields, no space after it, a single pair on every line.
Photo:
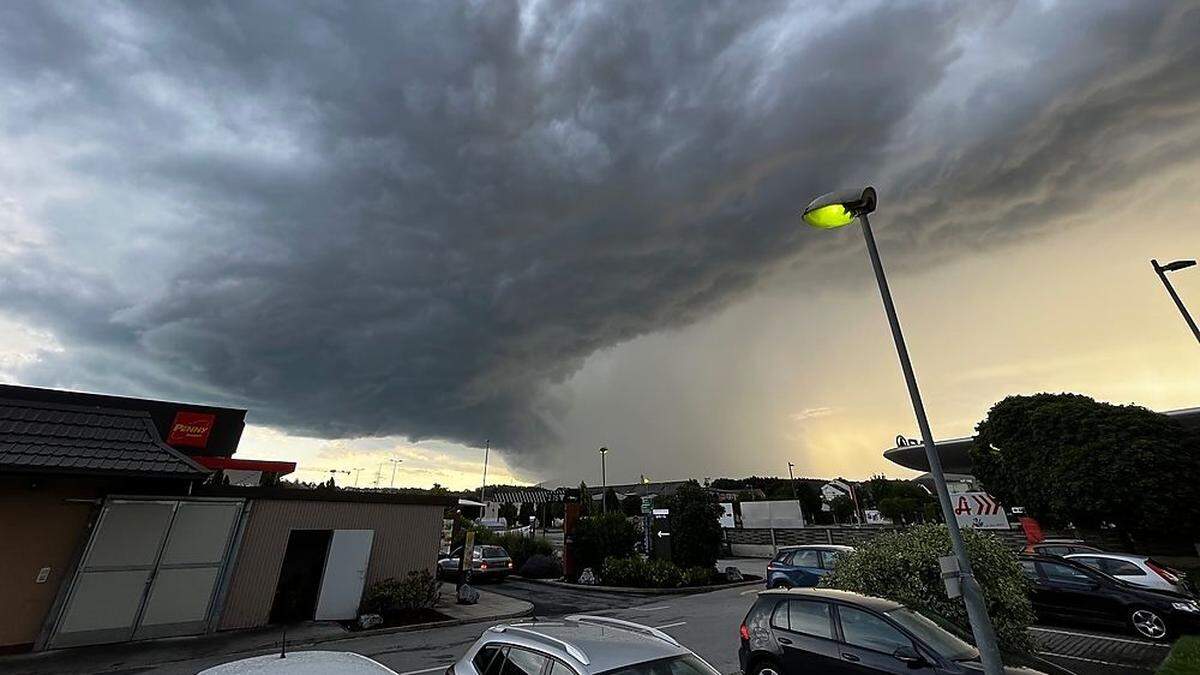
[1184,658]
[903,566]
[418,590]
[609,535]
[638,572]
[541,567]
[521,547]
[695,527]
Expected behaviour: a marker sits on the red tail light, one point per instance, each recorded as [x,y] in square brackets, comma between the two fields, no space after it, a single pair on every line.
[1170,578]
[744,632]
[483,566]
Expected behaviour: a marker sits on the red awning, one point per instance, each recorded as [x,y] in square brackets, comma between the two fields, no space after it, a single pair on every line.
[281,468]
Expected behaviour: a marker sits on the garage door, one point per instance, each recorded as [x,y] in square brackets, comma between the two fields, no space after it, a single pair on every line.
[151,570]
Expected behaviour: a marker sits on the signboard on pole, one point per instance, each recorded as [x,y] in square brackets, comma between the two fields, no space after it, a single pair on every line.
[727,515]
[979,510]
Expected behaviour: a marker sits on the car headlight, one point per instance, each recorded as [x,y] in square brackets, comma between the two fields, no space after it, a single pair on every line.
[1189,606]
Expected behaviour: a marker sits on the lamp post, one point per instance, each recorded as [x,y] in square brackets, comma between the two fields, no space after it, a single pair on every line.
[394,463]
[795,495]
[603,482]
[1161,271]
[487,448]
[838,209]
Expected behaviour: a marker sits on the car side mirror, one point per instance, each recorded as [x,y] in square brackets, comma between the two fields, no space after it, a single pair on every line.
[908,655]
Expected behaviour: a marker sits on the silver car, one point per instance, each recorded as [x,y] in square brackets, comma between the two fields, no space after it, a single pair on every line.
[578,645]
[1136,569]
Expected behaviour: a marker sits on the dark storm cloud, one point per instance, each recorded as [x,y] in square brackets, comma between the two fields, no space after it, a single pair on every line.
[409,219]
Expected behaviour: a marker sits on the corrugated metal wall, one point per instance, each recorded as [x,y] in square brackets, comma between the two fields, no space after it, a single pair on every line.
[406,538]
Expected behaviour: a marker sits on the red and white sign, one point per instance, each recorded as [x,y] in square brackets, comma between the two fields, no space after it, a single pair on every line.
[191,429]
[979,510]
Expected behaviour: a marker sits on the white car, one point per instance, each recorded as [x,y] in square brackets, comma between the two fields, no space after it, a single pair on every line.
[1136,569]
[303,663]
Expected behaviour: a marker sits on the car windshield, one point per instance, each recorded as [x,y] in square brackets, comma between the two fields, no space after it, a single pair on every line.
[931,633]
[687,664]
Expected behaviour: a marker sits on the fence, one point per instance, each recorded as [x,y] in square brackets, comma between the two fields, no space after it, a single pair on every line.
[765,542]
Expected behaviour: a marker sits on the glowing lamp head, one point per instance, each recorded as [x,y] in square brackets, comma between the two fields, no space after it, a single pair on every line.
[837,209]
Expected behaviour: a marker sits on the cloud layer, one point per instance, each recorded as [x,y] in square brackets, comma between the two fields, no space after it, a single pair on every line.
[411,219]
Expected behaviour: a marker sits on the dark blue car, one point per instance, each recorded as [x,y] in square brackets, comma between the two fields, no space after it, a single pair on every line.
[802,566]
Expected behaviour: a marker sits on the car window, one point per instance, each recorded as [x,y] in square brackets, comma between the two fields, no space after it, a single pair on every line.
[829,559]
[866,630]
[688,664]
[810,618]
[1091,561]
[938,638]
[488,660]
[1060,572]
[1029,569]
[807,558]
[559,668]
[779,618]
[1054,550]
[523,662]
[782,557]
[1121,567]
[493,552]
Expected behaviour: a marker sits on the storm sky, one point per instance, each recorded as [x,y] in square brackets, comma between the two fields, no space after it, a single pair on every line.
[399,229]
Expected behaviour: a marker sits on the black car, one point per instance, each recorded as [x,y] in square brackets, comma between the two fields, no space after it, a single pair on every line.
[1067,590]
[821,630]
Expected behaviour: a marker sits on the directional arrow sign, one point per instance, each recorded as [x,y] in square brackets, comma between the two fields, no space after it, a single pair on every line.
[663,534]
[979,510]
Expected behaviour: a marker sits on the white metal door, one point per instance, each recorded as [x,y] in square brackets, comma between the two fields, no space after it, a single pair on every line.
[150,570]
[107,593]
[345,572]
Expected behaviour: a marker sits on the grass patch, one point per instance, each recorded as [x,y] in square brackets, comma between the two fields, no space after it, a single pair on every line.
[1184,658]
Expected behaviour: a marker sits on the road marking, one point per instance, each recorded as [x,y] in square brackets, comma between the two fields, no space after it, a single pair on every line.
[1084,658]
[1101,637]
[649,609]
[427,670]
[665,625]
[752,590]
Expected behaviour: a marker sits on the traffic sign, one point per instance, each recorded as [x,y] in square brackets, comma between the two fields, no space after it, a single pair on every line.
[979,510]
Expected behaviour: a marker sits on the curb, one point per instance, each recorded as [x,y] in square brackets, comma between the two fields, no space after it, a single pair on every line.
[687,590]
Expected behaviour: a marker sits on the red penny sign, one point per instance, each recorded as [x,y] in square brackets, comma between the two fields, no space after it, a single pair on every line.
[191,429]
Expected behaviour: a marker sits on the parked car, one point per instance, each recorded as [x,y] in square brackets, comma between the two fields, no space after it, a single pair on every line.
[487,562]
[1069,590]
[303,663]
[1061,547]
[802,566]
[1139,570]
[821,630]
[578,645]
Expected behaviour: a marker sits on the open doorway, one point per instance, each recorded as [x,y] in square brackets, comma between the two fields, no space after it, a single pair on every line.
[300,576]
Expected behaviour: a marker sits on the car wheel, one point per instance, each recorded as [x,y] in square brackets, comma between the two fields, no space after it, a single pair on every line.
[765,667]
[1148,623]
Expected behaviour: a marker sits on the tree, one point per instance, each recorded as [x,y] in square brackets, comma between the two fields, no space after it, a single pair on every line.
[843,508]
[695,527]
[585,500]
[1069,459]
[631,505]
[508,512]
[528,509]
[611,501]
[903,566]
[607,535]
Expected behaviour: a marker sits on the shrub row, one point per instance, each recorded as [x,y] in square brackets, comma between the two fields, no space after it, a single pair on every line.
[391,597]
[638,572]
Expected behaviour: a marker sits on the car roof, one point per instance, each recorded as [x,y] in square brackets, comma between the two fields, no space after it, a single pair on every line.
[817,547]
[1128,557]
[836,595]
[303,663]
[603,643]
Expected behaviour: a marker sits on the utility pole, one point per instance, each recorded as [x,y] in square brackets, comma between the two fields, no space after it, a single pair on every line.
[487,448]
[603,483]
[795,494]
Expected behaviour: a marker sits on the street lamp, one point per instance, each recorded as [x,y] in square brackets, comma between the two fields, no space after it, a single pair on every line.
[487,449]
[838,209]
[1162,270]
[603,482]
[795,495]
[394,463]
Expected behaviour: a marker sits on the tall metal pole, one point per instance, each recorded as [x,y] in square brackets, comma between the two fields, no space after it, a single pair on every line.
[795,495]
[1162,274]
[603,482]
[981,624]
[487,448]
[394,463]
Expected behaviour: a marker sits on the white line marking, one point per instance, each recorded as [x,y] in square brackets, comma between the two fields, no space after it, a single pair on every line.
[1102,637]
[665,625]
[649,609]
[1084,658]
[427,670]
[752,590]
